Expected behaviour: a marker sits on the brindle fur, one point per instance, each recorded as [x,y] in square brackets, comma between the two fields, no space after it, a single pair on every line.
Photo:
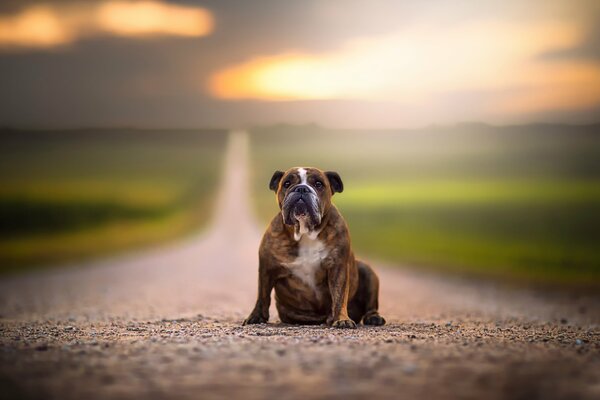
[345,290]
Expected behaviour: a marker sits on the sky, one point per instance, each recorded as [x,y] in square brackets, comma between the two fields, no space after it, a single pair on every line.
[347,64]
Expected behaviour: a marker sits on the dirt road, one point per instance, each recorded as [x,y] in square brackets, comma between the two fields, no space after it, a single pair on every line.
[166,324]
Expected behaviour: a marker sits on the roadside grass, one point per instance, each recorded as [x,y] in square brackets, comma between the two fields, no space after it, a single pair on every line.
[483,201]
[550,242]
[72,195]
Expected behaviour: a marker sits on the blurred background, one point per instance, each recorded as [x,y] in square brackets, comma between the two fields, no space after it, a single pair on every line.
[467,136]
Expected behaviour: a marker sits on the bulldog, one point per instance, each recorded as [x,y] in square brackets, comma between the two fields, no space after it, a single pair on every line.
[305,255]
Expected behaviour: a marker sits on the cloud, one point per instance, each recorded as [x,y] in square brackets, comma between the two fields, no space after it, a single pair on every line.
[420,63]
[153,18]
[51,25]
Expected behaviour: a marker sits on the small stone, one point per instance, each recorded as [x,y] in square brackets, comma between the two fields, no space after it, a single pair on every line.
[280,352]
[579,342]
[563,321]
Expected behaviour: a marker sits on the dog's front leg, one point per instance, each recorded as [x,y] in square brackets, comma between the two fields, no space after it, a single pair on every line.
[339,287]
[260,313]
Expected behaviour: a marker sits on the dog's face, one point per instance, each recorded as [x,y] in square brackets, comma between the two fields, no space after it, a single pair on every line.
[304,194]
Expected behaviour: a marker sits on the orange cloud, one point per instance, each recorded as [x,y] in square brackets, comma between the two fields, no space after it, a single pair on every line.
[282,77]
[420,63]
[50,25]
[153,18]
[38,26]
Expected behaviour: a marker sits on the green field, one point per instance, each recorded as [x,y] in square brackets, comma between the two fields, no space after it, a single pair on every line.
[518,203]
[70,195]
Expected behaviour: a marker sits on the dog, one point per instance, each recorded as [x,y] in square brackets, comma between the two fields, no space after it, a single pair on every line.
[306,256]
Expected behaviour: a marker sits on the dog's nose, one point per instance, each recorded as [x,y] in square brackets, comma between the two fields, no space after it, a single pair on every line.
[301,189]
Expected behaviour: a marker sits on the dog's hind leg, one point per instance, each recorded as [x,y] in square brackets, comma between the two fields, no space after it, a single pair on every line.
[367,297]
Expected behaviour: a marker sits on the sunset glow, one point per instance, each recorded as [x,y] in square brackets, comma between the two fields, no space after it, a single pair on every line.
[38,26]
[51,25]
[419,63]
[367,64]
[153,18]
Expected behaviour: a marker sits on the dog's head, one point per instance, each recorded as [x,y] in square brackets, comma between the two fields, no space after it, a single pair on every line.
[304,194]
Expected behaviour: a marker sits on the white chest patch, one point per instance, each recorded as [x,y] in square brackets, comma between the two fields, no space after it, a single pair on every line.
[311,253]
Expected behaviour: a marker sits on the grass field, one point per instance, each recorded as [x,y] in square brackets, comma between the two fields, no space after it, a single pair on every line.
[69,195]
[519,203]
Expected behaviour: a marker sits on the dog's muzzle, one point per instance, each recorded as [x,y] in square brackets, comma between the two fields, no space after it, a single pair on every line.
[301,203]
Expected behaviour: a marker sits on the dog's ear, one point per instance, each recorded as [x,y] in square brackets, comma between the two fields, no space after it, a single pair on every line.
[274,184]
[337,186]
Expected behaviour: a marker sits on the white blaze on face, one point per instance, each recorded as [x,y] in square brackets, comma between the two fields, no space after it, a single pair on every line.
[302,173]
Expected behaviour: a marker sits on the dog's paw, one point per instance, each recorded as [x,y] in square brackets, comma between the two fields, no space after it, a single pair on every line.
[255,319]
[344,324]
[374,319]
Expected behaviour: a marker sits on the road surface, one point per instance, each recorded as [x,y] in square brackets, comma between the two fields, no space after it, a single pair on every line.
[166,323]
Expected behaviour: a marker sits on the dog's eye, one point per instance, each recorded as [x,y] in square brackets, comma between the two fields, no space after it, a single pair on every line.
[318,184]
[287,184]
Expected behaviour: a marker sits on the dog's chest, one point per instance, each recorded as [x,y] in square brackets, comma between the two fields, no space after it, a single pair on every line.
[311,253]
